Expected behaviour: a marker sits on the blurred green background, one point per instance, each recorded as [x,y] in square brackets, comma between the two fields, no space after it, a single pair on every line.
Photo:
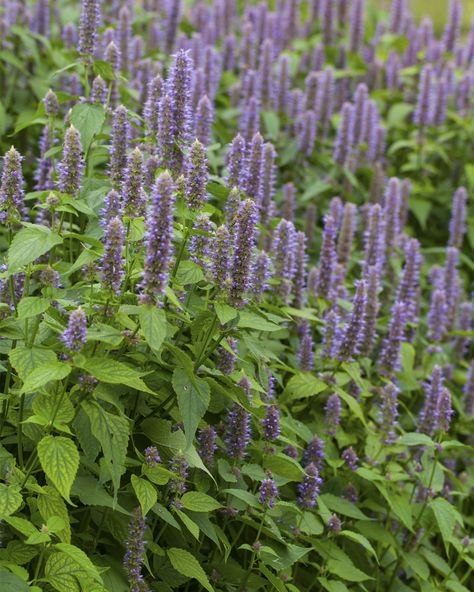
[438,10]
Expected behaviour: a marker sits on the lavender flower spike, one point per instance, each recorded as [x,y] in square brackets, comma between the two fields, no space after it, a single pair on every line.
[196,175]
[72,164]
[237,432]
[457,224]
[271,423]
[429,418]
[309,489]
[11,187]
[268,492]
[388,413]
[220,253]
[135,554]
[327,259]
[90,17]
[345,136]
[355,329]
[241,267]
[351,459]
[236,162]
[112,261]
[332,335]
[357,26]
[119,146]
[158,240]
[437,316]
[207,444]
[133,195]
[74,337]
[468,391]
[390,352]
[453,26]
[371,309]
[332,414]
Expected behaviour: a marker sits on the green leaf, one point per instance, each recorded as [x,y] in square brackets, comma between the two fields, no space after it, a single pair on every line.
[29,244]
[250,320]
[112,431]
[417,564]
[79,557]
[310,524]
[63,573]
[246,496]
[193,399]
[415,439]
[51,504]
[284,466]
[145,492]
[103,69]
[9,582]
[347,571]
[446,517]
[188,273]
[199,502]
[303,386]
[188,565]
[59,459]
[153,326]
[32,306]
[114,372]
[26,359]
[88,120]
[10,499]
[218,190]
[358,538]
[44,374]
[189,523]
[342,506]
[333,585]
[225,313]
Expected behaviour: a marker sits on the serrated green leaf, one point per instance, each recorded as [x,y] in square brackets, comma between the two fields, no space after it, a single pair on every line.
[415,439]
[26,359]
[189,566]
[153,326]
[145,492]
[51,504]
[32,306]
[342,506]
[112,431]
[199,502]
[347,571]
[43,374]
[446,516]
[188,273]
[29,244]
[303,386]
[10,582]
[284,466]
[358,538]
[10,499]
[59,459]
[193,399]
[114,372]
[79,557]
[88,120]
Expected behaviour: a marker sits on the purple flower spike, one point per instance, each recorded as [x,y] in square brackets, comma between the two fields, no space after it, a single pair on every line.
[72,164]
[196,175]
[306,352]
[345,136]
[74,337]
[457,224]
[253,183]
[262,273]
[159,248]
[354,332]
[334,524]
[112,262]
[226,359]
[284,256]
[204,119]
[423,114]
[299,279]
[174,8]
[267,186]
[306,126]
[199,243]
[309,489]
[437,316]
[220,253]
[350,458]
[388,413]
[314,453]
[356,36]
[152,457]
[237,432]
[179,88]
[112,207]
[236,163]
[371,310]
[429,418]
[241,267]
[392,205]
[11,187]
[133,195]
[99,91]
[90,17]
[268,493]
[283,84]
[179,466]
[453,26]
[332,335]
[346,236]
[390,352]
[409,282]
[332,414]
[152,105]
[207,445]
[135,554]
[374,239]
[327,260]
[468,391]
[271,423]
[119,146]
[51,104]
[166,132]
[446,411]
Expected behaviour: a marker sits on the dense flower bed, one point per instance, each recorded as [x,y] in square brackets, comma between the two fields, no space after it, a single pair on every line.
[236,297]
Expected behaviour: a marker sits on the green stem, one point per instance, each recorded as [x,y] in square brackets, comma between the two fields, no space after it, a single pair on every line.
[254,553]
[201,357]
[21,411]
